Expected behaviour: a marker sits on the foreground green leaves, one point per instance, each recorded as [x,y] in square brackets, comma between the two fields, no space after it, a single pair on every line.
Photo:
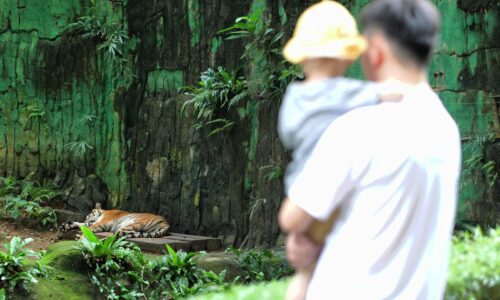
[474,271]
[16,271]
[120,271]
[27,199]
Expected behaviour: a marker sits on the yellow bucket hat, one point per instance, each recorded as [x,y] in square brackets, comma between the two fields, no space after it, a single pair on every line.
[326,29]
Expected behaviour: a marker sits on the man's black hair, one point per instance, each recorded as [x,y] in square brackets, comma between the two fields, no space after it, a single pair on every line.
[411,25]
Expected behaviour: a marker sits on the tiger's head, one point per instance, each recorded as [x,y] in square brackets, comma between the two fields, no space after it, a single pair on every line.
[94,215]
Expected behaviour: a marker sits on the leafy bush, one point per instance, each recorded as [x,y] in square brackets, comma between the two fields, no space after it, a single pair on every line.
[176,275]
[269,73]
[217,90]
[117,265]
[121,271]
[112,41]
[26,198]
[257,291]
[15,269]
[264,265]
[474,266]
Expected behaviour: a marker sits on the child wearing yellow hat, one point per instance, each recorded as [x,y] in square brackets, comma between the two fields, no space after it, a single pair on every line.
[325,43]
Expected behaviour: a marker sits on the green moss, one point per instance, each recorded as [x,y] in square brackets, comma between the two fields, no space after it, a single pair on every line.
[68,278]
[216,43]
[160,80]
[194,21]
[197,199]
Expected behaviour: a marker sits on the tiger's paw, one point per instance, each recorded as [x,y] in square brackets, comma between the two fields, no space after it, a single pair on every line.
[67,226]
[128,234]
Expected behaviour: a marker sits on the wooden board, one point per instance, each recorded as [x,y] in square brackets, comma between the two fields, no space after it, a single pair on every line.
[177,241]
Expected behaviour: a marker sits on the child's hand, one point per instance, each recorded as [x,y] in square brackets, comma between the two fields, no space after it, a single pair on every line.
[301,251]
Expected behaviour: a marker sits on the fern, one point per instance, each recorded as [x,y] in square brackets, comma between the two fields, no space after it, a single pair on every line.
[216,93]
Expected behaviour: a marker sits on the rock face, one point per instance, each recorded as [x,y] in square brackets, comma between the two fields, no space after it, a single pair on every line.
[124,142]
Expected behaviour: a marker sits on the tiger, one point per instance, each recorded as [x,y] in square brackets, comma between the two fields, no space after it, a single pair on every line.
[131,225]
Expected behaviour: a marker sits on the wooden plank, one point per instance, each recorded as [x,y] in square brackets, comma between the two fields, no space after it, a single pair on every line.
[211,243]
[196,244]
[156,245]
[177,241]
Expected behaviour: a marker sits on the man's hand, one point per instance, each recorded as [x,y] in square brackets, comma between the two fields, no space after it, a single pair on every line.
[301,251]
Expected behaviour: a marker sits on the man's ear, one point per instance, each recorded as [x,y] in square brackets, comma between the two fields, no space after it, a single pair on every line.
[377,51]
[97,205]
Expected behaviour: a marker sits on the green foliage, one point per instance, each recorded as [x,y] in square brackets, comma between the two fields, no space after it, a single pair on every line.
[78,148]
[120,271]
[261,291]
[117,266]
[474,266]
[15,269]
[217,92]
[275,172]
[476,167]
[269,73]
[28,199]
[87,120]
[112,41]
[34,111]
[176,276]
[262,265]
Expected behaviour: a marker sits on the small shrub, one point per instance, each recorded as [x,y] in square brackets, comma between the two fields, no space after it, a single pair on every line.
[474,266]
[120,271]
[216,93]
[15,269]
[179,276]
[263,265]
[269,73]
[27,199]
[112,41]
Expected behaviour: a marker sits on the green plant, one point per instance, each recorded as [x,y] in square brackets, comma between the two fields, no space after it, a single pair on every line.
[87,120]
[120,271]
[269,73]
[256,291]
[15,269]
[274,173]
[112,41]
[26,198]
[8,185]
[117,265]
[217,92]
[476,167]
[79,148]
[179,276]
[263,265]
[474,264]
[34,111]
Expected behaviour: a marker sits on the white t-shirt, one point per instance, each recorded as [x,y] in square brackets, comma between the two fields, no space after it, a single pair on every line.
[392,170]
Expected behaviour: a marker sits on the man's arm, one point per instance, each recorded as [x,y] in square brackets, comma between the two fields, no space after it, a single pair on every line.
[300,250]
[294,218]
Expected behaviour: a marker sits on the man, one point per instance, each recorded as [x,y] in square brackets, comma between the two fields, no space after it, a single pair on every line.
[389,170]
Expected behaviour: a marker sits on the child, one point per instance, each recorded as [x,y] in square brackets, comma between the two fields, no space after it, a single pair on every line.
[325,43]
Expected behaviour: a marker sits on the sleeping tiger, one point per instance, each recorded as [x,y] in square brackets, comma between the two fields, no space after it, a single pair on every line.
[131,225]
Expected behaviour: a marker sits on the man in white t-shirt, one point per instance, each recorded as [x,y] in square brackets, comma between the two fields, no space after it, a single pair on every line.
[390,170]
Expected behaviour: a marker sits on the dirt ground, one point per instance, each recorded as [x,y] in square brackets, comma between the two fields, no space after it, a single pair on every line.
[42,238]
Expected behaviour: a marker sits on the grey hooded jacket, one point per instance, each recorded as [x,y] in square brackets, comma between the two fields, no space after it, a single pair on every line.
[309,108]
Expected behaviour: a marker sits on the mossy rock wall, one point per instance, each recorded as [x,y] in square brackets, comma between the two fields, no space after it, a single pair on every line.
[142,154]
